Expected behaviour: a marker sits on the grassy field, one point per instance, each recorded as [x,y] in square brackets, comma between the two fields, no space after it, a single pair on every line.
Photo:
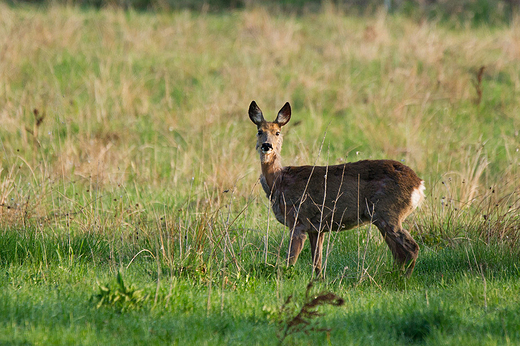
[130,208]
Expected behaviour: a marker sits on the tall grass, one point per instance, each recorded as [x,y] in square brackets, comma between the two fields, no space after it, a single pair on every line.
[154,103]
[125,144]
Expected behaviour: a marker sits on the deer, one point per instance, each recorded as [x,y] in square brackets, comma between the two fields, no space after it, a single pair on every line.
[312,200]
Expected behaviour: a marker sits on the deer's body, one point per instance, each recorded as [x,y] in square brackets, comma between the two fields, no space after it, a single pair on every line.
[311,200]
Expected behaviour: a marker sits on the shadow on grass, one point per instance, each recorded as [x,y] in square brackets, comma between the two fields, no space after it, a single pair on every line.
[495,260]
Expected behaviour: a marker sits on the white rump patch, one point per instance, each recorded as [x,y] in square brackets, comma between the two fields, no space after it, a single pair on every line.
[418,195]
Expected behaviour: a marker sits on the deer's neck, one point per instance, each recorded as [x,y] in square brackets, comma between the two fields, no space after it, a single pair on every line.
[271,168]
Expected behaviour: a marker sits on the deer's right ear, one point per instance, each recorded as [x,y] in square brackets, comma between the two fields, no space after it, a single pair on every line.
[255,114]
[284,115]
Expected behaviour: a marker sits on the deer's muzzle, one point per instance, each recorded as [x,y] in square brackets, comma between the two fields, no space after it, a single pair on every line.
[266,147]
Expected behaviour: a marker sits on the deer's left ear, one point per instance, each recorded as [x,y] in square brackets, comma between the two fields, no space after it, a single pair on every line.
[284,115]
[255,114]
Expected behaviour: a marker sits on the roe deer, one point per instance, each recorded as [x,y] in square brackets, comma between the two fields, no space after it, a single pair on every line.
[311,200]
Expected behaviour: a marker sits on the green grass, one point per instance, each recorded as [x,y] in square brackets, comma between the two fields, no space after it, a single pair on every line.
[439,304]
[130,209]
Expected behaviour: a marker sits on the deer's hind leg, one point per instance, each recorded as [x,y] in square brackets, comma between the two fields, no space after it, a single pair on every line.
[404,248]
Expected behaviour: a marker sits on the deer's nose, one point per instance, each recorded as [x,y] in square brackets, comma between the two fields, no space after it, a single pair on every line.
[266,147]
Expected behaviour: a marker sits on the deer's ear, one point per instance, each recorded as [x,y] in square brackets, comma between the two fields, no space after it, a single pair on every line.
[284,115]
[255,114]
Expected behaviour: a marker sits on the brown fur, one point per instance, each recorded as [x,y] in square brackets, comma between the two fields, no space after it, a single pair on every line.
[311,200]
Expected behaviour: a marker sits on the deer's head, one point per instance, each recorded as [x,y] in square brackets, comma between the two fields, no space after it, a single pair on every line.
[269,137]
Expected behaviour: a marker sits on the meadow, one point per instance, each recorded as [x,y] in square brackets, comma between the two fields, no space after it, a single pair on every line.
[130,206]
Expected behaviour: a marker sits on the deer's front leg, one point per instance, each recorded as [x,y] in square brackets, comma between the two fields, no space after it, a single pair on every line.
[316,240]
[298,236]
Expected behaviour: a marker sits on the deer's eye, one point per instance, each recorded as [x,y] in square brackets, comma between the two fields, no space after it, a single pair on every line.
[260,132]
[277,133]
